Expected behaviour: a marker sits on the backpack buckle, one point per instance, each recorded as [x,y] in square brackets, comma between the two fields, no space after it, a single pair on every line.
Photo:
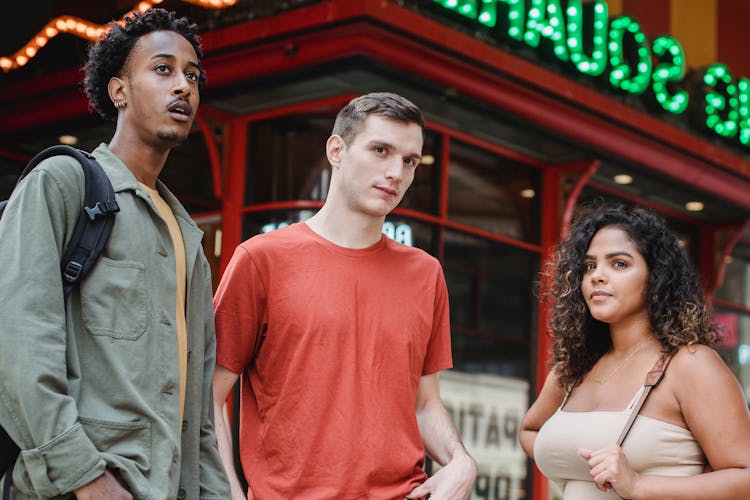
[102,208]
[72,271]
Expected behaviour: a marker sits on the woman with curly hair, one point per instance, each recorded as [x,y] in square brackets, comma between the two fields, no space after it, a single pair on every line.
[624,298]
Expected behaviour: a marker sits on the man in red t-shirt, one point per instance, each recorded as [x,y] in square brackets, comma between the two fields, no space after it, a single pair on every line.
[338,334]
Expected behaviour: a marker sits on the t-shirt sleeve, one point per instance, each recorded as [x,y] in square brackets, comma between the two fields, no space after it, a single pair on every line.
[239,306]
[439,355]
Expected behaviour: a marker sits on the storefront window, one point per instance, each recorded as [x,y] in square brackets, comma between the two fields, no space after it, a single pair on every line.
[411,232]
[423,195]
[492,304]
[493,313]
[286,159]
[188,174]
[732,313]
[736,285]
[735,345]
[493,193]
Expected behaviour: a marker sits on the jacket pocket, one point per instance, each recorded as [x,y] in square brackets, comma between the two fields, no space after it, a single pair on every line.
[113,299]
[126,446]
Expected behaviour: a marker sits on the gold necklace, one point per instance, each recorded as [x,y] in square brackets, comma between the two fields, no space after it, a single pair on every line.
[601,381]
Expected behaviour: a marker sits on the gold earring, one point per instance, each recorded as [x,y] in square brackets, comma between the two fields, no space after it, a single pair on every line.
[121,104]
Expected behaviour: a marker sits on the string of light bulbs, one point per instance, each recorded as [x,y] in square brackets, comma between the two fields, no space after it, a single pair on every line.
[84,29]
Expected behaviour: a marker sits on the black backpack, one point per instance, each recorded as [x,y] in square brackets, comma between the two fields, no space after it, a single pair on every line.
[89,236]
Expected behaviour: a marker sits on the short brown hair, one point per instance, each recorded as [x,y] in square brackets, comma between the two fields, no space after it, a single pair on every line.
[352,117]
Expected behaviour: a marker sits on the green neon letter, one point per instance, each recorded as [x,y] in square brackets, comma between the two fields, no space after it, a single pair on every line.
[466,8]
[597,11]
[510,13]
[743,89]
[620,76]
[721,101]
[671,69]
[545,19]
[513,13]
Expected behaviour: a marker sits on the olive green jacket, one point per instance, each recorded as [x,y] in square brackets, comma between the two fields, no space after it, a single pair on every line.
[99,386]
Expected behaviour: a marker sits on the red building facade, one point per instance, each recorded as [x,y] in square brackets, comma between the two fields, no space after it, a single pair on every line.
[519,133]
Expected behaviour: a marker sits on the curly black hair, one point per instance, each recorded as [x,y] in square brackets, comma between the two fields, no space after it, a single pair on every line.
[677,308]
[107,56]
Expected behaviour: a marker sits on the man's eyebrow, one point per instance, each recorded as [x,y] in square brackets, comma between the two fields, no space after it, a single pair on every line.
[172,57]
[377,142]
[163,56]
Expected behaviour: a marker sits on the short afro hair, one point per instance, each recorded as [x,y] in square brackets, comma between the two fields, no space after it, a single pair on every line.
[108,56]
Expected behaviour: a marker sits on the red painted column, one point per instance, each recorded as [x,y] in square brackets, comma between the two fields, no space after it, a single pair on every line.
[550,232]
[234,190]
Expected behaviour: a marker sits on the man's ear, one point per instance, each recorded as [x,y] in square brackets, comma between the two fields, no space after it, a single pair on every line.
[117,90]
[335,146]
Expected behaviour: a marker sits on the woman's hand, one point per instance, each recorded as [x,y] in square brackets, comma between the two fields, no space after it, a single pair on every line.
[610,469]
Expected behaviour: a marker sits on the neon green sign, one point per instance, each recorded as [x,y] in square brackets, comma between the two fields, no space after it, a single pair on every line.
[582,36]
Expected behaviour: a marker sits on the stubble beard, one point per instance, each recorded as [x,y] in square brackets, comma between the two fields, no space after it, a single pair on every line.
[170,137]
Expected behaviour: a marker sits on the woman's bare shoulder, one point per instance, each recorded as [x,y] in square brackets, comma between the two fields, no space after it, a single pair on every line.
[695,368]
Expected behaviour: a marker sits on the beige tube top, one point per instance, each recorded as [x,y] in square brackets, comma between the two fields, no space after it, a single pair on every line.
[652,446]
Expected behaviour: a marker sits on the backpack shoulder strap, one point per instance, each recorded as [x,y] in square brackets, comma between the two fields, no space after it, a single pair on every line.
[95,221]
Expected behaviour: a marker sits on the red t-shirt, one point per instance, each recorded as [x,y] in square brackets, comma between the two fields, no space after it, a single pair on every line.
[327,406]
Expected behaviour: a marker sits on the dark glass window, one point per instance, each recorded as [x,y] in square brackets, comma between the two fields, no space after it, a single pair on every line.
[423,192]
[735,347]
[412,232]
[736,285]
[492,304]
[187,173]
[286,159]
[493,193]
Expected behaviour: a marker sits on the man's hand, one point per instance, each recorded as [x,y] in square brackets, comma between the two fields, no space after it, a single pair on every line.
[454,481]
[105,486]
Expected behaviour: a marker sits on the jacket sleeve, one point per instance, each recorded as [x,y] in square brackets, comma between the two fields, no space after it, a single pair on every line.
[213,479]
[35,408]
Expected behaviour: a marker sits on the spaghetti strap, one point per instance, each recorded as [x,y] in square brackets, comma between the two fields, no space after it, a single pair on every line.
[565,399]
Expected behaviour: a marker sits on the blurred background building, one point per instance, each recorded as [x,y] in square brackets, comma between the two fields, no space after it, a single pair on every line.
[533,107]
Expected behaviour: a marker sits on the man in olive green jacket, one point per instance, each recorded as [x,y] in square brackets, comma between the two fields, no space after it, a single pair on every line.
[109,394]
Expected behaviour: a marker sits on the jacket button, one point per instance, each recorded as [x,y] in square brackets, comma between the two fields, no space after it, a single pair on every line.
[189,353]
[162,252]
[181,493]
[184,425]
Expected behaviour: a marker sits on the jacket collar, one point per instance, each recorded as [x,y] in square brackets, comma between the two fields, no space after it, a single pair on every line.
[123,180]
